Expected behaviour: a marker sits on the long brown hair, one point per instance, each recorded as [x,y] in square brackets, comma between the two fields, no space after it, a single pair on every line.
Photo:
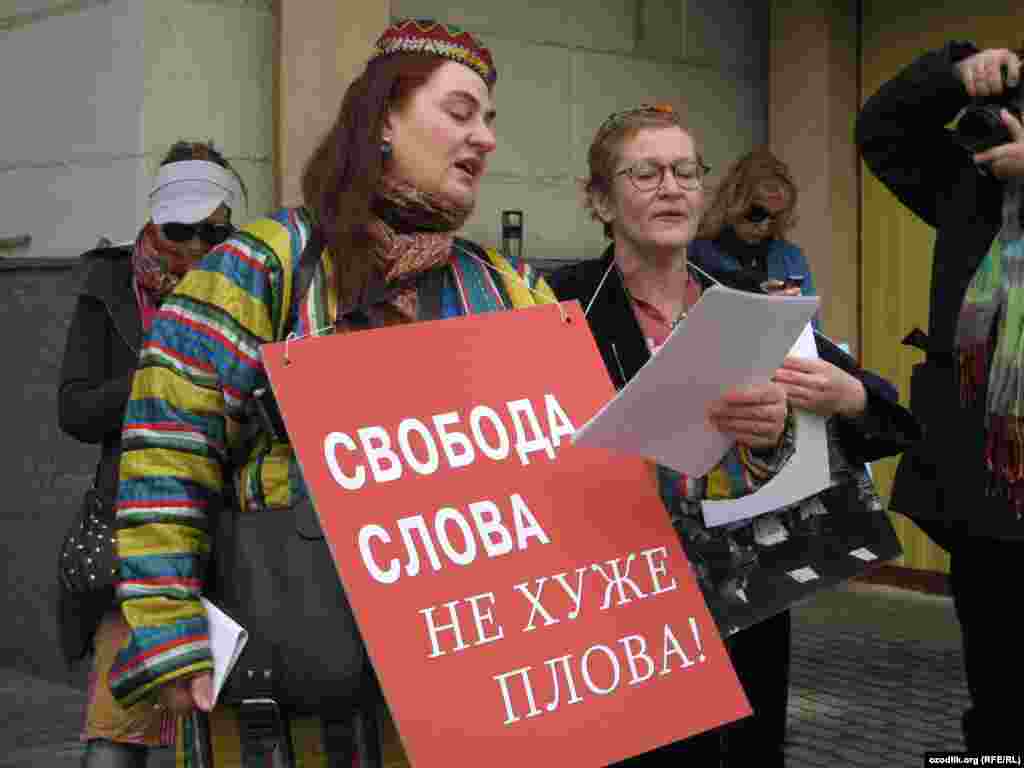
[603,154]
[341,176]
[735,194]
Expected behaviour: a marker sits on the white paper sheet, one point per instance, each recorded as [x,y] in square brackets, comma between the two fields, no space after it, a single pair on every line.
[227,639]
[731,339]
[805,474]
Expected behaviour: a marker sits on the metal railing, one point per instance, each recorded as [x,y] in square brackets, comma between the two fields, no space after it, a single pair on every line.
[10,263]
[18,241]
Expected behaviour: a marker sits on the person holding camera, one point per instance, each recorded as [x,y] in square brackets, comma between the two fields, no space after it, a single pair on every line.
[964,482]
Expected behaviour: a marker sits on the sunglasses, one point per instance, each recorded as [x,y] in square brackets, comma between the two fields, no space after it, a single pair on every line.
[208,232]
[758,214]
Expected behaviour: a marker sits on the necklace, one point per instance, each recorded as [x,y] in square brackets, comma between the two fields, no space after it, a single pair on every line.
[670,323]
[614,267]
[682,314]
[686,303]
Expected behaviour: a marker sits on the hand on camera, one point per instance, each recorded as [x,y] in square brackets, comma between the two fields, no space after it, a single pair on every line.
[183,695]
[982,73]
[1007,160]
[754,416]
[820,387]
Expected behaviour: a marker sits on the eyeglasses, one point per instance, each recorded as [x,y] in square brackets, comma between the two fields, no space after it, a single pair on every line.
[208,232]
[758,214]
[648,176]
[615,117]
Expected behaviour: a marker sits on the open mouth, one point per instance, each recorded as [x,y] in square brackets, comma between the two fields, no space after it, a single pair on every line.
[470,167]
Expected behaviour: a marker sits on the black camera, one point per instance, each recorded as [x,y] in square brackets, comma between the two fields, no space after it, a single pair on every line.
[980,127]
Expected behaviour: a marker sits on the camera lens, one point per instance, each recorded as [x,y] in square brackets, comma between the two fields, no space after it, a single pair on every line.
[981,128]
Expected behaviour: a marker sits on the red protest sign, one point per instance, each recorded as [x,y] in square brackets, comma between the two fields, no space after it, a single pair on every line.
[524,601]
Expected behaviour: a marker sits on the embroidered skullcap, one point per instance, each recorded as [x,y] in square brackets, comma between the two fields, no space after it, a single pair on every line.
[445,40]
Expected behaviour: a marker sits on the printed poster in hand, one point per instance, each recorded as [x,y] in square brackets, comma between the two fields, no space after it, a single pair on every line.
[524,601]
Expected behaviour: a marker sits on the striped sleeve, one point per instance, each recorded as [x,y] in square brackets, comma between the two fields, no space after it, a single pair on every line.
[199,364]
[743,470]
[524,284]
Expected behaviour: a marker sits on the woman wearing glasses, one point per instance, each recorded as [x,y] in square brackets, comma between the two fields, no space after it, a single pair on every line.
[646,186]
[191,203]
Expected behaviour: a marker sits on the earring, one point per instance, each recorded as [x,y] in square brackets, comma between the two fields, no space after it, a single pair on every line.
[385,149]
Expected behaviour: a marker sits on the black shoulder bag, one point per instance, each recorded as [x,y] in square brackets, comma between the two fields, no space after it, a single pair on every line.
[275,576]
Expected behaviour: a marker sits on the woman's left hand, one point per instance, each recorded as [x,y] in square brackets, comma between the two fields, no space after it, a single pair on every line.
[820,387]
[1006,160]
[754,416]
[778,288]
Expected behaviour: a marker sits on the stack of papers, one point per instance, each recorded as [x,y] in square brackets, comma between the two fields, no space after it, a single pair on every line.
[731,340]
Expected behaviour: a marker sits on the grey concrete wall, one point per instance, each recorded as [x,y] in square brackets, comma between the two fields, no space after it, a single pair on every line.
[563,67]
[94,92]
[45,472]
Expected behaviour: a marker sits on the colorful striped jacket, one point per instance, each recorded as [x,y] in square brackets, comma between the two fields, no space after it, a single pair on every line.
[199,366]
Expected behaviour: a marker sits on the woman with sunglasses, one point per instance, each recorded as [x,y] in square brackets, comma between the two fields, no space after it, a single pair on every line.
[646,186]
[193,196]
[744,226]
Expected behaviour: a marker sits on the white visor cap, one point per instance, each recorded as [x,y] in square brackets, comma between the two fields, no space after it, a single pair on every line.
[190,190]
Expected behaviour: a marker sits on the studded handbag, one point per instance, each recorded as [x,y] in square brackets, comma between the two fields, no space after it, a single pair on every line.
[88,564]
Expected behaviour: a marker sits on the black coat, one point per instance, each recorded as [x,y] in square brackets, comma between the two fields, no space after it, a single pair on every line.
[902,137]
[100,357]
[886,429]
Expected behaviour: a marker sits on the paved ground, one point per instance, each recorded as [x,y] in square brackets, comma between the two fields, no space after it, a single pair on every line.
[869,702]
[41,724]
[877,681]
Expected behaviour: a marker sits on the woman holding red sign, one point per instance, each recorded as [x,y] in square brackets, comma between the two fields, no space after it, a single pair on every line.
[646,186]
[385,194]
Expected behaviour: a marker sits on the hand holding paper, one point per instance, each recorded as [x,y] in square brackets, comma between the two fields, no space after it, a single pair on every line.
[820,387]
[806,472]
[731,340]
[754,416]
[183,695]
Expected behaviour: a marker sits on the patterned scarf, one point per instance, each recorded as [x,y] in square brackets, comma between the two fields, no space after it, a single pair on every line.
[158,267]
[996,295]
[411,232]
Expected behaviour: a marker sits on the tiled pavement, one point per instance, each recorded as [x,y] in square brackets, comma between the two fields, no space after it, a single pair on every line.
[40,721]
[869,702]
[877,680]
